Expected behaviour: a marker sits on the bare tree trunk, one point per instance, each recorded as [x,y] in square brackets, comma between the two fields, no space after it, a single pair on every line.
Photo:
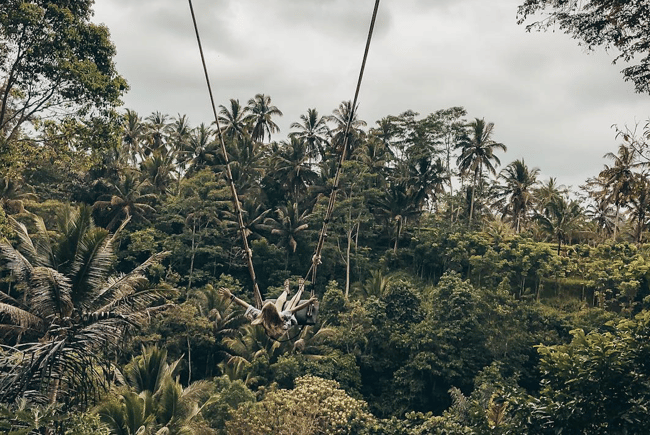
[399,233]
[189,360]
[618,209]
[347,262]
[189,282]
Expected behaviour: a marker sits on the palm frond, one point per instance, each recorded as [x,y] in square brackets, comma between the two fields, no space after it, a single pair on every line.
[91,265]
[50,293]
[22,318]
[118,288]
[15,261]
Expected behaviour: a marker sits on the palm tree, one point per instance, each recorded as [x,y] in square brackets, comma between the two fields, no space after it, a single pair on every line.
[180,134]
[66,310]
[157,130]
[248,163]
[233,120]
[260,111]
[547,192]
[619,179]
[478,154]
[250,344]
[341,117]
[287,224]
[291,167]
[515,196]
[639,205]
[396,206]
[156,402]
[126,201]
[158,169]
[560,219]
[426,177]
[313,131]
[133,135]
[201,150]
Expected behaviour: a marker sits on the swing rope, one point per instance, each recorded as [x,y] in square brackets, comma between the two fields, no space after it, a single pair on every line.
[311,274]
[235,198]
[316,258]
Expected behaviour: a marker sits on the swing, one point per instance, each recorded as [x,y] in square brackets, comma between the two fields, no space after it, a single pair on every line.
[307,315]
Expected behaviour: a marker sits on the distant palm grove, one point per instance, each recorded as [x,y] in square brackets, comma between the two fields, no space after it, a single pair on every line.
[459,292]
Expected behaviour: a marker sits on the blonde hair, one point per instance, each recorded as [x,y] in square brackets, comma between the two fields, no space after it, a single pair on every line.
[271,320]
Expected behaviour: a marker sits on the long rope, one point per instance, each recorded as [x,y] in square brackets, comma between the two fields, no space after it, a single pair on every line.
[316,259]
[332,200]
[235,198]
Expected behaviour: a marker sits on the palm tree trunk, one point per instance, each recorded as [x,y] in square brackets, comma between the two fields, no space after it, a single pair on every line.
[471,205]
[347,263]
[189,360]
[189,281]
[399,233]
[618,209]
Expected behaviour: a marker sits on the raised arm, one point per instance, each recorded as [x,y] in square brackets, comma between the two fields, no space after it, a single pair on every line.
[227,293]
[303,305]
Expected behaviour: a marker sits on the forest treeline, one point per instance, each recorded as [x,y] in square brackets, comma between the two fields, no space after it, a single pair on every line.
[459,292]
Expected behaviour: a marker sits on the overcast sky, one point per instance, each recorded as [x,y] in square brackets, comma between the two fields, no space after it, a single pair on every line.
[552,103]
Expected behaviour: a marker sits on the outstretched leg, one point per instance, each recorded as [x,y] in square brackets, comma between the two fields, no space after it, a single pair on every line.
[296,298]
[279,303]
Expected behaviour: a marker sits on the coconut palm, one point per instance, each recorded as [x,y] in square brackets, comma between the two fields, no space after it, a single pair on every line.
[396,207]
[548,191]
[515,197]
[201,150]
[158,170]
[66,309]
[560,218]
[248,164]
[619,179]
[127,200]
[291,167]
[341,117]
[232,120]
[426,177]
[180,134]
[260,111]
[133,135]
[477,154]
[250,344]
[639,205]
[313,131]
[156,402]
[287,224]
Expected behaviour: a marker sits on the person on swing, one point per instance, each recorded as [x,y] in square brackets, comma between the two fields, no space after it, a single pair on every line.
[276,318]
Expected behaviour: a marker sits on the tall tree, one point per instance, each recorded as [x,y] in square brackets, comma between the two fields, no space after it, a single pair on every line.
[477,154]
[66,310]
[291,167]
[619,179]
[232,120]
[313,130]
[515,197]
[560,218]
[54,62]
[341,117]
[260,114]
[132,136]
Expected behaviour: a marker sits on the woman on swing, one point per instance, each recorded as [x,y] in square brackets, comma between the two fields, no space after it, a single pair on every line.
[276,318]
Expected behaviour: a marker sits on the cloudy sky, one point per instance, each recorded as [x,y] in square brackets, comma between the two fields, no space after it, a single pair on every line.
[552,103]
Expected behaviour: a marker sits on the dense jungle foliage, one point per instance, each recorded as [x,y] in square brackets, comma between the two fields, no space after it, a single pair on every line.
[458,294]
